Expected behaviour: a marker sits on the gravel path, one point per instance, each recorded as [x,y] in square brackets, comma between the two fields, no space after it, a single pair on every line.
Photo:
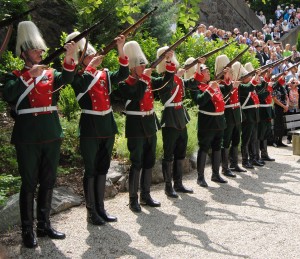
[256,215]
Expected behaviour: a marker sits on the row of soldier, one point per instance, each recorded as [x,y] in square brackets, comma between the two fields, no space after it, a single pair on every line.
[230,109]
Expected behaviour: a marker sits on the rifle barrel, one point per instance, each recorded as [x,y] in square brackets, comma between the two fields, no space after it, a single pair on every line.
[265,67]
[281,74]
[113,43]
[207,55]
[61,50]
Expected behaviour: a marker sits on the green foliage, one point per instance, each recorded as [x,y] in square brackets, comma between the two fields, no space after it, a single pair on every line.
[8,185]
[148,44]
[8,160]
[70,146]
[9,62]
[160,23]
[120,13]
[120,150]
[9,9]
[3,106]
[68,104]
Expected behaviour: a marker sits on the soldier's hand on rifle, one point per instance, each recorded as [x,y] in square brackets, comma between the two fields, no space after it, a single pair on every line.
[148,71]
[180,72]
[70,47]
[258,72]
[37,70]
[120,41]
[201,60]
[96,61]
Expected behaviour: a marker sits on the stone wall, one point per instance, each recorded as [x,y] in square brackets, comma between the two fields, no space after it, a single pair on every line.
[291,37]
[228,14]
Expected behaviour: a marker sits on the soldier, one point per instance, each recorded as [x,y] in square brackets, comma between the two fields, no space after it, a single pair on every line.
[254,143]
[37,132]
[141,124]
[211,124]
[266,114]
[250,113]
[281,106]
[232,132]
[97,125]
[173,122]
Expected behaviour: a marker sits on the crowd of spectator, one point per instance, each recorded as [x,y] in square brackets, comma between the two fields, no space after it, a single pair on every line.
[284,20]
[265,43]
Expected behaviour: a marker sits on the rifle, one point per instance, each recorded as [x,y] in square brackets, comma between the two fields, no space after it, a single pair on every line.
[61,50]
[126,32]
[8,21]
[6,39]
[275,78]
[265,67]
[232,62]
[172,47]
[207,55]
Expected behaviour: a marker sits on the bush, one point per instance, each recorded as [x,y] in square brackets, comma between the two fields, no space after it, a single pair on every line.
[70,153]
[8,185]
[120,150]
[68,104]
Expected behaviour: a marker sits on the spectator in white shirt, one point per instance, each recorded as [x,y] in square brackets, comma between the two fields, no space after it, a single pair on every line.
[278,12]
[285,26]
[262,17]
[271,25]
[292,9]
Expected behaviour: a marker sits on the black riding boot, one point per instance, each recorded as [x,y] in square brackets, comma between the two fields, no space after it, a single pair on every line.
[177,177]
[264,151]
[90,202]
[100,191]
[167,167]
[225,169]
[234,166]
[134,177]
[145,184]
[201,160]
[254,154]
[43,208]
[215,164]
[26,213]
[257,153]
[245,158]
